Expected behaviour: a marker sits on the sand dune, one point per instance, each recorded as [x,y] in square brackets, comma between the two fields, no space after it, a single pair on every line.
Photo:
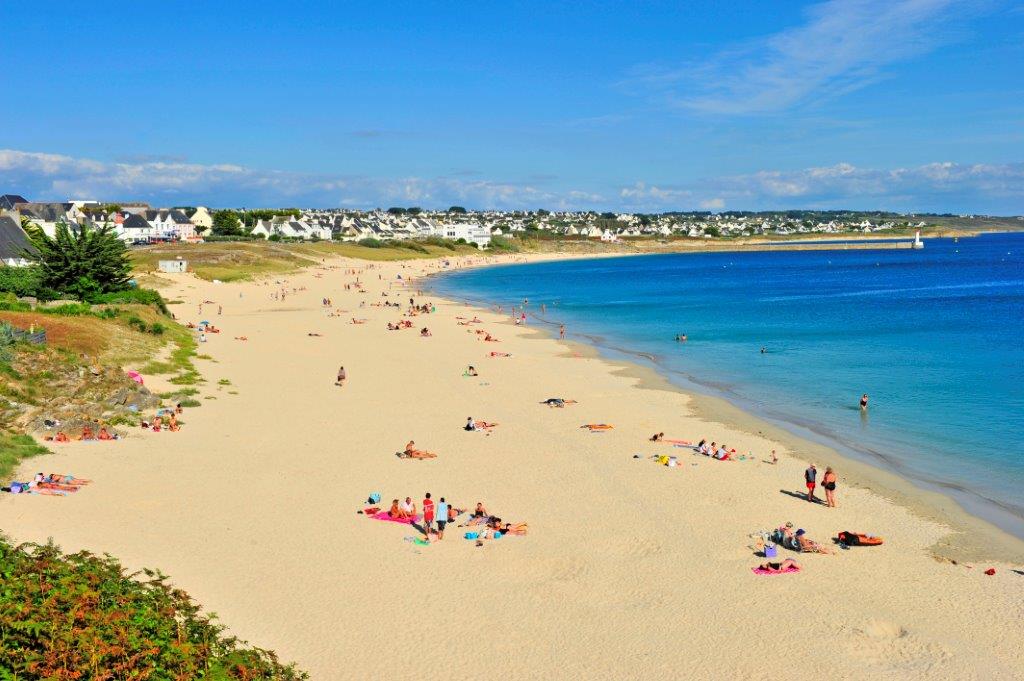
[629,570]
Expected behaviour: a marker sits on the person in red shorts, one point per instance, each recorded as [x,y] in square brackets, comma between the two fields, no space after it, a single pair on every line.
[811,477]
[428,514]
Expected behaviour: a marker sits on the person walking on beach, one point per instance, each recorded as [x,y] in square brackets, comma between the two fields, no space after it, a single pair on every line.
[442,517]
[428,514]
[561,331]
[828,481]
[811,477]
[864,402]
[775,459]
[341,377]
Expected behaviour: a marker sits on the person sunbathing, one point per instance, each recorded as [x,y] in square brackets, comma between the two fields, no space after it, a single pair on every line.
[87,434]
[104,435]
[470,424]
[807,545]
[471,371]
[358,321]
[558,402]
[241,338]
[313,334]
[657,437]
[480,511]
[785,566]
[491,339]
[501,354]
[62,479]
[424,332]
[157,424]
[412,453]
[61,437]
[172,423]
[483,425]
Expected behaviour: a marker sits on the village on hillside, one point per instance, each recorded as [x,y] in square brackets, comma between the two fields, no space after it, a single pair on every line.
[138,223]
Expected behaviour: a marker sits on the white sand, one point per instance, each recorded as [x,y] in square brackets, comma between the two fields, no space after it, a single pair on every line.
[630,570]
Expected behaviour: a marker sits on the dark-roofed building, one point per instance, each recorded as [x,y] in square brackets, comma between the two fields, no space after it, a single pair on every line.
[7,201]
[13,242]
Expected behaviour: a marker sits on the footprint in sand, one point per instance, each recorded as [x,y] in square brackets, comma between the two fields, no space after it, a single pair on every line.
[886,645]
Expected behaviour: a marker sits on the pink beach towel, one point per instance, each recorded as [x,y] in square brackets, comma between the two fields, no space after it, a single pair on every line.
[762,571]
[383,515]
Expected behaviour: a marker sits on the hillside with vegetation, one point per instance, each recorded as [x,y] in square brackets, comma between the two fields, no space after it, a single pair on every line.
[70,325]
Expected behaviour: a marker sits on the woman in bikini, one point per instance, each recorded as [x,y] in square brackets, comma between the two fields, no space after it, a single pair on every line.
[829,483]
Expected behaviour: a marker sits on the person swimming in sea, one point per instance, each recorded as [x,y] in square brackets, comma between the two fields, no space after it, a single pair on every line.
[864,401]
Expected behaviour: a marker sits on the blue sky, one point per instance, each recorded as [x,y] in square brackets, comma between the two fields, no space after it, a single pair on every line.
[911,105]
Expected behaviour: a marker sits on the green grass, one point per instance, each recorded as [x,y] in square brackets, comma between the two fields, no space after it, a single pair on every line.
[13,450]
[235,261]
[223,381]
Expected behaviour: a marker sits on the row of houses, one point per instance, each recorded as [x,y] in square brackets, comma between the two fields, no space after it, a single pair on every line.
[133,222]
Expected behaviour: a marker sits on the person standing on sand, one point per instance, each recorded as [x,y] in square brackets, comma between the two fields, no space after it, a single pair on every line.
[811,477]
[864,402]
[775,459]
[561,331]
[341,377]
[828,481]
[428,514]
[442,517]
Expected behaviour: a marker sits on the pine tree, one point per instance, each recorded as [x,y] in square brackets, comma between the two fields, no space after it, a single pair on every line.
[82,262]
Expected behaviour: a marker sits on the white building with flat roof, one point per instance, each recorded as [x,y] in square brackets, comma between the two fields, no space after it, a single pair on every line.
[472,232]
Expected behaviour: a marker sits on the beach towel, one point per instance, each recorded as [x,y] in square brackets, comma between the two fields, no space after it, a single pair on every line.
[383,515]
[761,571]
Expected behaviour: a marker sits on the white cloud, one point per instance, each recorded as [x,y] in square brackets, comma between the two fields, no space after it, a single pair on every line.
[45,176]
[843,45]
[938,187]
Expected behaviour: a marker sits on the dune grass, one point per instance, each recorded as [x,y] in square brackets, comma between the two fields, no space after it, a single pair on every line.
[13,450]
[241,260]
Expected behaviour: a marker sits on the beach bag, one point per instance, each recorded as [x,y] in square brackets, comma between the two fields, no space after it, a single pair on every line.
[17,487]
[374,498]
[771,551]
[472,535]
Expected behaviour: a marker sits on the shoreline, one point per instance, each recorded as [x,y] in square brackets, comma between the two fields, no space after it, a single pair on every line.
[251,509]
[972,537]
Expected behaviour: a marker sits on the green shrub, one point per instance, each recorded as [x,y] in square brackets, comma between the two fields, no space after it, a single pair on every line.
[439,241]
[21,281]
[370,242]
[500,243]
[132,296]
[84,616]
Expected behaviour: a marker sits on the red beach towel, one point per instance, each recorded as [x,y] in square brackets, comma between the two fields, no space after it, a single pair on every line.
[762,571]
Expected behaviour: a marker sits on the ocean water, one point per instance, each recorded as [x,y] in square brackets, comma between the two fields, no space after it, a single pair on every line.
[934,336]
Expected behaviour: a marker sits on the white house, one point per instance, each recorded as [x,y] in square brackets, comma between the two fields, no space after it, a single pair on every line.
[473,233]
[170,225]
[135,229]
[201,217]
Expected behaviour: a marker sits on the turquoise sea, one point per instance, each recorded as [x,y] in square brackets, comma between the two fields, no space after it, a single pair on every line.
[934,336]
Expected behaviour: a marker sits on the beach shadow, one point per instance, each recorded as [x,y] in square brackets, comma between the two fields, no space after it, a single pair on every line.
[802,496]
[1019,572]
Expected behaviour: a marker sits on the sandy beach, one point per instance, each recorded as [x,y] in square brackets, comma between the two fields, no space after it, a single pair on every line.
[629,569]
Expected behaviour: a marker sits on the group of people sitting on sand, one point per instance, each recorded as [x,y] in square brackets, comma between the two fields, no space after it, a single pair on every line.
[406,324]
[157,424]
[714,450]
[87,435]
[52,484]
[797,540]
[487,336]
